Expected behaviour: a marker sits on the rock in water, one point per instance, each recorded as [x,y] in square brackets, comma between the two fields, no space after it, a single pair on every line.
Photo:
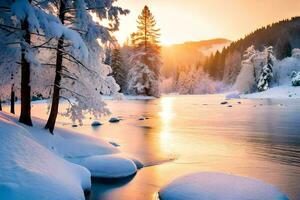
[224,102]
[114,144]
[96,123]
[142,118]
[114,120]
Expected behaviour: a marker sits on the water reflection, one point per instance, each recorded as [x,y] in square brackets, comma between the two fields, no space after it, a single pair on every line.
[257,138]
[166,116]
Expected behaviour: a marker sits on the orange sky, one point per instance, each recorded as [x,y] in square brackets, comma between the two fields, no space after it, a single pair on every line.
[191,20]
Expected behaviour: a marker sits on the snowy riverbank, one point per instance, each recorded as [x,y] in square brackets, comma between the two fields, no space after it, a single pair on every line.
[39,165]
[279,92]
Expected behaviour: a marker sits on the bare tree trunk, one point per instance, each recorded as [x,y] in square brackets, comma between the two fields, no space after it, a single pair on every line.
[25,116]
[0,105]
[59,60]
[12,100]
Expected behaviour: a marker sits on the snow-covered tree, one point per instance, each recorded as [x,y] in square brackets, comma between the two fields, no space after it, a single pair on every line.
[142,80]
[188,80]
[296,53]
[118,69]
[295,78]
[256,70]
[84,80]
[246,80]
[267,71]
[24,20]
[146,56]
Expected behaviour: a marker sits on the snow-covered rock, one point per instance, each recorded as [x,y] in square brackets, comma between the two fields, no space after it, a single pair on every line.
[219,186]
[108,166]
[96,123]
[28,170]
[114,120]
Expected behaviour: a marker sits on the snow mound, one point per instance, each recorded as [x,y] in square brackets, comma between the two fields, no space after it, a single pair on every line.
[280,92]
[30,171]
[65,143]
[108,166]
[219,186]
[129,97]
[233,95]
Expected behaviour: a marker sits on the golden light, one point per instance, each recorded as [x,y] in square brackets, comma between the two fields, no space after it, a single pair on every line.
[166,116]
[196,20]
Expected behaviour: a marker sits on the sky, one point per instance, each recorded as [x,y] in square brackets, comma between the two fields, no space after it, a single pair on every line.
[194,20]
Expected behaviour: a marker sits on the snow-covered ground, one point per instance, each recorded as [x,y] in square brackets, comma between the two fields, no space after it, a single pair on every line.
[219,186]
[36,163]
[129,97]
[279,92]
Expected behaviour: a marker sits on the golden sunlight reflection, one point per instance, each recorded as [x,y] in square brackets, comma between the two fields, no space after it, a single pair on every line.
[166,116]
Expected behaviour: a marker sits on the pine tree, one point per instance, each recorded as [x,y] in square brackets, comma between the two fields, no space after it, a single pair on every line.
[266,74]
[146,47]
[118,71]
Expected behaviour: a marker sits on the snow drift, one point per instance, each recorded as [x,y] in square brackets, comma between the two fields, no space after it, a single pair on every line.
[30,171]
[39,165]
[219,186]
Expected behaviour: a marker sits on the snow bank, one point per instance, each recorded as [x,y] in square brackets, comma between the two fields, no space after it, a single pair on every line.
[280,92]
[30,171]
[108,166]
[130,97]
[233,95]
[219,186]
[81,149]
[65,143]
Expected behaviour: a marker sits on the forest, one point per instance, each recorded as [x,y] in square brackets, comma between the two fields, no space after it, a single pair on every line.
[149,100]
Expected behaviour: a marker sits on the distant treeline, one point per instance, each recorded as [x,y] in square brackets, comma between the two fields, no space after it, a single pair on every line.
[283,36]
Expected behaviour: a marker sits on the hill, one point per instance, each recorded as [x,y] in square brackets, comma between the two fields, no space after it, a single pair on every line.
[178,55]
[283,36]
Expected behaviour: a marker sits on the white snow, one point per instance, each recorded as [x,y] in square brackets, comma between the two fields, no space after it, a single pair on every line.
[233,95]
[30,171]
[109,166]
[81,149]
[219,186]
[279,92]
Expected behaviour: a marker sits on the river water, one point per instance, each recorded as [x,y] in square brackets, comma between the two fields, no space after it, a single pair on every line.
[185,134]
